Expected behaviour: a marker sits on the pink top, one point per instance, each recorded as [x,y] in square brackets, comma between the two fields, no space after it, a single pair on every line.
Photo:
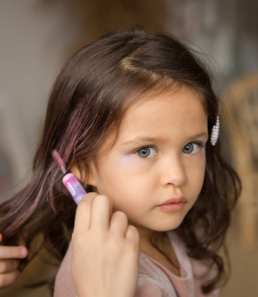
[155,280]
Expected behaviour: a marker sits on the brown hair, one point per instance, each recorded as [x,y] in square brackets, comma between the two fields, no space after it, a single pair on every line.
[87,104]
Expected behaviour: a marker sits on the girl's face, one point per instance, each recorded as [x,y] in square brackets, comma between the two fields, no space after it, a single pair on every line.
[159,154]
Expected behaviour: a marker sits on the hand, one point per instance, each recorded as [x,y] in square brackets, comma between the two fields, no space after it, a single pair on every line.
[105,250]
[8,271]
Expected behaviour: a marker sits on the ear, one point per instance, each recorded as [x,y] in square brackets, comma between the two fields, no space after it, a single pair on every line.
[91,177]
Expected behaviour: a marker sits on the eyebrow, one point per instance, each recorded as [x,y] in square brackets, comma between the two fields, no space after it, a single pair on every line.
[162,139]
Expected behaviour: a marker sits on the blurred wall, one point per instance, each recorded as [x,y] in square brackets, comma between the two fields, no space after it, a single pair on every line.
[29,62]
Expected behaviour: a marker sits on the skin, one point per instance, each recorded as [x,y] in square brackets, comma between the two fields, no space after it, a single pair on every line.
[136,185]
[105,249]
[133,181]
[8,255]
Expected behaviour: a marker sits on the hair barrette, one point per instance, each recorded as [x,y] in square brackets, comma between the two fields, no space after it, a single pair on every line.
[215,132]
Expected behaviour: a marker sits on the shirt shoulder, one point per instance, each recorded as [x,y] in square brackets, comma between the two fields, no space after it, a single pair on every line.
[153,281]
[200,271]
[64,286]
[150,287]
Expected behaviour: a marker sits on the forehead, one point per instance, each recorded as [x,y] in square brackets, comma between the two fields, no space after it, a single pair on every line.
[163,113]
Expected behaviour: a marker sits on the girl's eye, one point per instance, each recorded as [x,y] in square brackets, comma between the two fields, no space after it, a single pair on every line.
[146,152]
[191,148]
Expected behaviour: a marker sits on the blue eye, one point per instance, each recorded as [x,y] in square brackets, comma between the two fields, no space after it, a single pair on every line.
[190,148]
[146,152]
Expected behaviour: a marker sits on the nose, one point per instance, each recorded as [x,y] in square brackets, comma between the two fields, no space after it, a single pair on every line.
[173,173]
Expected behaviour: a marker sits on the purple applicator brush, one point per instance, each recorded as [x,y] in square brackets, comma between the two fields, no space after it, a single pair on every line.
[70,181]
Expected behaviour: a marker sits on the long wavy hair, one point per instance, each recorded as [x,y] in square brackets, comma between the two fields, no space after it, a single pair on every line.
[86,106]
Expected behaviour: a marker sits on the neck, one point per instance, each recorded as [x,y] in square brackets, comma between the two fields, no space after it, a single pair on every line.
[145,238]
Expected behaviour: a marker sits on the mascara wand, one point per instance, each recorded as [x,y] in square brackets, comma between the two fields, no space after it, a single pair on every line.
[70,181]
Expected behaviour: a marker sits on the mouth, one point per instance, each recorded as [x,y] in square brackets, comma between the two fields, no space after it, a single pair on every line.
[173,204]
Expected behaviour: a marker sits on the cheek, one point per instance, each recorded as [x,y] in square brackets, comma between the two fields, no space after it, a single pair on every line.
[123,181]
[130,200]
[133,165]
[132,173]
[196,172]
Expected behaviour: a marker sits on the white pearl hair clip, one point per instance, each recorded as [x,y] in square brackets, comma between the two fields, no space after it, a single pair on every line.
[215,132]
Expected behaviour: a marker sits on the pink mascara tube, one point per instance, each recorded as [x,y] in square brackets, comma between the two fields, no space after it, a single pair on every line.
[70,181]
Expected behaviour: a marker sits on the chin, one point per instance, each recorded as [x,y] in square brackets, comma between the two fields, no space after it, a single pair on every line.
[173,224]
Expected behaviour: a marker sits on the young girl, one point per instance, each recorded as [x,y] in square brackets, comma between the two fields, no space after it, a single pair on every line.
[132,116]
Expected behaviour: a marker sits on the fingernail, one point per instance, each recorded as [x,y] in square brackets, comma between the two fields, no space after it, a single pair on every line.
[23,253]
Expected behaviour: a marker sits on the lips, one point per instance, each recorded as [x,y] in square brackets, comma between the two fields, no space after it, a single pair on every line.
[174,200]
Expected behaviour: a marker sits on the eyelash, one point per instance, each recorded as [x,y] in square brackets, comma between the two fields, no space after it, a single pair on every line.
[200,144]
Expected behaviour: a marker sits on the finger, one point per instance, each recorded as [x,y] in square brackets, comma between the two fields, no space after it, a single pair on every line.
[118,224]
[100,213]
[13,252]
[7,279]
[83,213]
[132,234]
[110,210]
[1,237]
[7,266]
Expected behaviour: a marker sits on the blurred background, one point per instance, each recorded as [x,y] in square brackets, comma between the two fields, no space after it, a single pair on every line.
[38,36]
